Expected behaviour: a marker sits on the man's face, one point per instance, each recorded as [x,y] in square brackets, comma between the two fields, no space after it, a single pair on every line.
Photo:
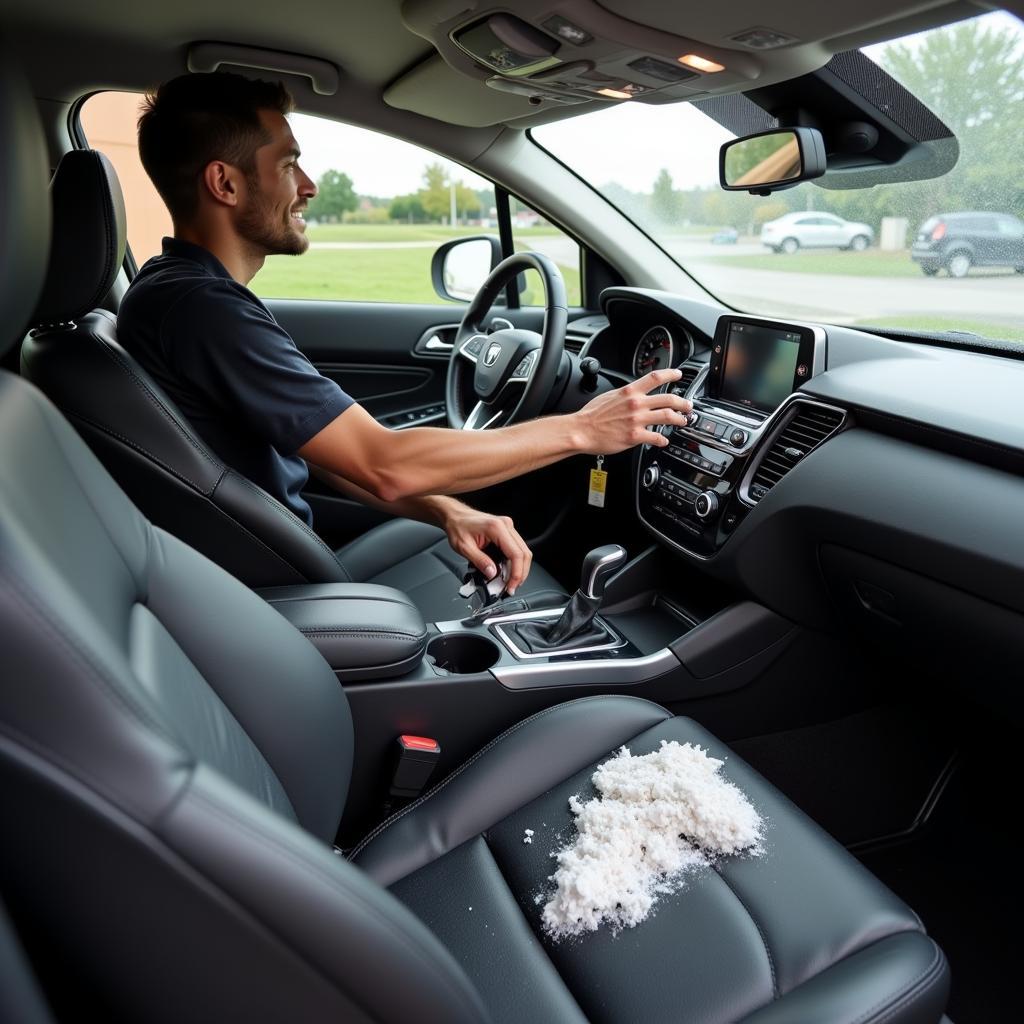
[278,192]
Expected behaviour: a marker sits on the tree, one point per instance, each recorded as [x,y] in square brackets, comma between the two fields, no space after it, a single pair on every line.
[434,196]
[664,199]
[972,76]
[334,197]
[407,208]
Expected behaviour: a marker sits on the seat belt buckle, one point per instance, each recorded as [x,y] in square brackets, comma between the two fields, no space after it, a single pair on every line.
[417,757]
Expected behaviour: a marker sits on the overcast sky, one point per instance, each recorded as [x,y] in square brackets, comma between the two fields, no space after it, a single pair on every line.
[639,141]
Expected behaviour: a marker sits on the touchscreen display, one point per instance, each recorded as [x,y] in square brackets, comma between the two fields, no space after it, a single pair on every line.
[760,364]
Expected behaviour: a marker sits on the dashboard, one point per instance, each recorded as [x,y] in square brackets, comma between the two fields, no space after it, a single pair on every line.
[833,474]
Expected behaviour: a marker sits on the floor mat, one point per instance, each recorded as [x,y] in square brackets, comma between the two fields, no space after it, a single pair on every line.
[861,777]
[962,878]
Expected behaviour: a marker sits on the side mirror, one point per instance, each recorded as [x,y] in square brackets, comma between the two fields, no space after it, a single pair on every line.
[459,267]
[772,160]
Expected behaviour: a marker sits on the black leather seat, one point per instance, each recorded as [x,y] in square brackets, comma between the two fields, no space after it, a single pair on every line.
[174,759]
[153,452]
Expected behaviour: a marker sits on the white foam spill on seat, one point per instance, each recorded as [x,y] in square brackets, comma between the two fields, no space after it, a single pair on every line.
[657,816]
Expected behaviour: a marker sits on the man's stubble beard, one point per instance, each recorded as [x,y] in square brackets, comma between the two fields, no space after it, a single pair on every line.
[265,231]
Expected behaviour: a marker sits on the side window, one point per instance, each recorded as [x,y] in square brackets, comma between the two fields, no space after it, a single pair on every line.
[383,207]
[108,122]
[530,231]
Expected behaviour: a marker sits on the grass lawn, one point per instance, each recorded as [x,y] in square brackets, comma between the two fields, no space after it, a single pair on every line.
[389,232]
[370,275]
[870,263]
[397,232]
[984,328]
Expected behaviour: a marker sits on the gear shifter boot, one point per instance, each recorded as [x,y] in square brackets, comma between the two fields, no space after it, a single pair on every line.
[575,627]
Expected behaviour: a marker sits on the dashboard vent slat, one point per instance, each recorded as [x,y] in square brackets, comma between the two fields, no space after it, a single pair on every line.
[574,343]
[807,427]
[689,375]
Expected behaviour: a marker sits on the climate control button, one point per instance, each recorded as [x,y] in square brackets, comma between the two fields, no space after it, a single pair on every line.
[652,474]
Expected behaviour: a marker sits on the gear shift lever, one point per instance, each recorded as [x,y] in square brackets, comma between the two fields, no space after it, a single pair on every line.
[577,620]
[599,566]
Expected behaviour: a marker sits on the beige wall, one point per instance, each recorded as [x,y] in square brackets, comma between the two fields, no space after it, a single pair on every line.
[108,120]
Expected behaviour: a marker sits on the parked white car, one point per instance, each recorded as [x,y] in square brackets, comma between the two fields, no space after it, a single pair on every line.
[812,230]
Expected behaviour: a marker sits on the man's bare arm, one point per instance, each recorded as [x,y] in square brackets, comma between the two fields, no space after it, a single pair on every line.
[397,464]
[427,508]
[469,530]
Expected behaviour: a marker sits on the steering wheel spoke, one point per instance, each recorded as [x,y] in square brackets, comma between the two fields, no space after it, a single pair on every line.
[484,416]
[513,370]
[471,348]
[524,370]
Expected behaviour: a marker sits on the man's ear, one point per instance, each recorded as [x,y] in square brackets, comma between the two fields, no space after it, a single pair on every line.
[222,182]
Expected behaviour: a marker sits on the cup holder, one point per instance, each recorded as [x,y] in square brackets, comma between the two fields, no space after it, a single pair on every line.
[463,653]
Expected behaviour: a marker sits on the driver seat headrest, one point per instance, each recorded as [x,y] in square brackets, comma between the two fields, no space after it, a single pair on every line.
[89,237]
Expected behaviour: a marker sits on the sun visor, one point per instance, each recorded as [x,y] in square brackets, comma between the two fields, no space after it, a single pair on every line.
[433,86]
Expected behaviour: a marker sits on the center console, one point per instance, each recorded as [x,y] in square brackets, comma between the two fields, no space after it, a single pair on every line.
[693,493]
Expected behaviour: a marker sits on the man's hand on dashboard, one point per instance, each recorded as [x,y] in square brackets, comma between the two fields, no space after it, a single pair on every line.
[470,531]
[620,419]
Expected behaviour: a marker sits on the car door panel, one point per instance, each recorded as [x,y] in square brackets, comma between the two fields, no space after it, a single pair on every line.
[380,353]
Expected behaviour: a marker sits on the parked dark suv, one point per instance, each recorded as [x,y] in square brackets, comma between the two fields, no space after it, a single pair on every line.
[959,241]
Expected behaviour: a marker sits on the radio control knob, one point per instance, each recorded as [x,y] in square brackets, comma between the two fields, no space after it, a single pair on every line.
[693,419]
[706,504]
[652,474]
[738,438]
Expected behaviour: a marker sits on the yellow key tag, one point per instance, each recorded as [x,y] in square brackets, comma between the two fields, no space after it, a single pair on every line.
[598,483]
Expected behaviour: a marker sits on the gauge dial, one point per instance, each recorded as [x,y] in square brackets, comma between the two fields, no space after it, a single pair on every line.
[654,351]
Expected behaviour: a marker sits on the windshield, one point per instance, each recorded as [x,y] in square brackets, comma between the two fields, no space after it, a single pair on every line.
[898,255]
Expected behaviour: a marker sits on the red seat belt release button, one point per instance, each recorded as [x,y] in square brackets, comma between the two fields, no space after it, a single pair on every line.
[417,759]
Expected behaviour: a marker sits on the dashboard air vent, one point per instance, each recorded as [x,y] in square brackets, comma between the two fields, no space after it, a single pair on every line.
[574,343]
[686,381]
[807,427]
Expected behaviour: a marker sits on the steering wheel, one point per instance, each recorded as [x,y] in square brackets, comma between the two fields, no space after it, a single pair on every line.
[513,370]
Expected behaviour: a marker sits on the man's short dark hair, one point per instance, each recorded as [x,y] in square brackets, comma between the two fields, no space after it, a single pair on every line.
[194,119]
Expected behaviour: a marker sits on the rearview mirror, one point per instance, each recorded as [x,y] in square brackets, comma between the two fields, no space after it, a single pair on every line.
[772,160]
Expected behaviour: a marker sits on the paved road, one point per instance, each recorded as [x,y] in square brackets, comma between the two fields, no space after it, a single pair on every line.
[835,298]
[840,298]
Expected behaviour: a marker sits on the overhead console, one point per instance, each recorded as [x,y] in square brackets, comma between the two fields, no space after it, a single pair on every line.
[749,426]
[580,52]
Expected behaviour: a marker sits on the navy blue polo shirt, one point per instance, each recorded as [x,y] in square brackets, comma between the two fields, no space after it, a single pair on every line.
[233,371]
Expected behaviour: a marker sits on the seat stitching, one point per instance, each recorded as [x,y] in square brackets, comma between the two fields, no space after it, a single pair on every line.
[288,514]
[145,451]
[74,471]
[904,994]
[34,606]
[156,402]
[480,753]
[908,996]
[55,758]
[529,927]
[337,884]
[209,496]
[341,631]
[760,931]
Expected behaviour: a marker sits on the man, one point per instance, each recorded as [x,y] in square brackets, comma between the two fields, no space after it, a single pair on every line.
[222,156]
